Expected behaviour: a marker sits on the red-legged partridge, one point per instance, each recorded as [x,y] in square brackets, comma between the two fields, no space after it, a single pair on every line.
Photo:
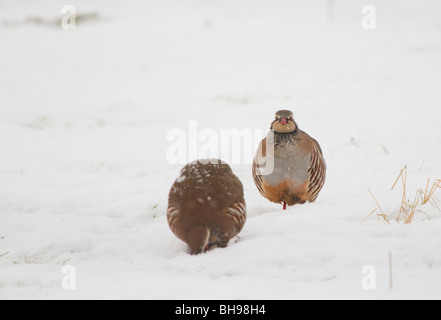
[206,206]
[289,167]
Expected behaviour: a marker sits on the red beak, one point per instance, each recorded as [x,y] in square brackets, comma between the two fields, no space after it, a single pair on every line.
[283,121]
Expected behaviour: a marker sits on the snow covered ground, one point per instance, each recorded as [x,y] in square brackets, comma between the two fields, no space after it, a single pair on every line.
[84,116]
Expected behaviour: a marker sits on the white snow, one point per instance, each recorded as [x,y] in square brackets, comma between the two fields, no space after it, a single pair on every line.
[84,116]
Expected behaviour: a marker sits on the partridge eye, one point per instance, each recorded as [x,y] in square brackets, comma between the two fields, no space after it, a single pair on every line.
[290,118]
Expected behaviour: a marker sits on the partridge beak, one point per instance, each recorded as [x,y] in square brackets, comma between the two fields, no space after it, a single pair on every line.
[283,120]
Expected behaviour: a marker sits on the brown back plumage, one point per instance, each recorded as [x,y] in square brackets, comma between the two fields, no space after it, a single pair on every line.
[206,206]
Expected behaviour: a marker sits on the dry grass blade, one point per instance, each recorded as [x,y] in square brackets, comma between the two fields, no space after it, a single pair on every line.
[434,202]
[428,218]
[408,209]
[378,207]
[384,218]
[429,194]
[413,208]
[403,208]
[370,214]
[404,170]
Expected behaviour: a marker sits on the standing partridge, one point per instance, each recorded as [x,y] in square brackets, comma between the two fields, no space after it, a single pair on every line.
[206,206]
[289,167]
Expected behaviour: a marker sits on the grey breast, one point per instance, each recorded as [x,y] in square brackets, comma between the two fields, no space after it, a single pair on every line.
[288,161]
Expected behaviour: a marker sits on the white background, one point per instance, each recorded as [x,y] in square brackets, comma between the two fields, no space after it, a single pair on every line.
[84,116]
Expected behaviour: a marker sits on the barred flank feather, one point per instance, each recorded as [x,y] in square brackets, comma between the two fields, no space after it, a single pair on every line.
[238,211]
[316,171]
[257,178]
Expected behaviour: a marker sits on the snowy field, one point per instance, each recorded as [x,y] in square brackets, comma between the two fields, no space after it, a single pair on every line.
[84,118]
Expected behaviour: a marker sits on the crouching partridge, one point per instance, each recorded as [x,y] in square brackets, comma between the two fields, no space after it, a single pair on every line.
[289,167]
[206,206]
